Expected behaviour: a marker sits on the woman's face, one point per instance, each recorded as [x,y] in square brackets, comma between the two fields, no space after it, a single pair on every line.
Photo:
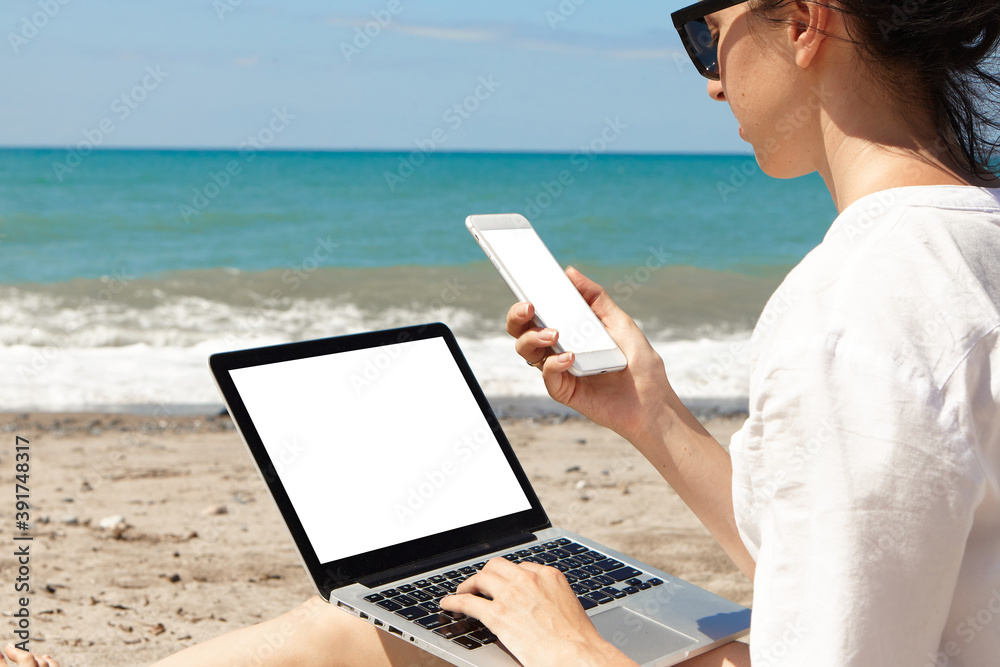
[765,91]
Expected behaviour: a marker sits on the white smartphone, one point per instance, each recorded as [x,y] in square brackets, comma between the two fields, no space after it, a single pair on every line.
[532,273]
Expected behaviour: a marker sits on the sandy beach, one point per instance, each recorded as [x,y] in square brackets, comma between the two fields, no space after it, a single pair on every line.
[192,545]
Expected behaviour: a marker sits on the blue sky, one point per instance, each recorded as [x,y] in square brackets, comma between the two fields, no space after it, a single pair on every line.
[548,75]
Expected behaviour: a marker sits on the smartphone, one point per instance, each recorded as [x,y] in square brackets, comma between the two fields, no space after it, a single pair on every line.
[532,274]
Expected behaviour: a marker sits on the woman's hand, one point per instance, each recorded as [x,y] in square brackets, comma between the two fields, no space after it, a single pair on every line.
[627,401]
[536,615]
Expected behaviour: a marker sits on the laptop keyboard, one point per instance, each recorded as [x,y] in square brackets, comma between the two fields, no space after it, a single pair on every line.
[595,578]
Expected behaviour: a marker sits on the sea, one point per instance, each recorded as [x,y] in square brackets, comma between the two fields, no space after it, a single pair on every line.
[123,270]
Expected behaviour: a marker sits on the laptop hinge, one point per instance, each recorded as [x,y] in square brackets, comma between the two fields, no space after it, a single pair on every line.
[445,559]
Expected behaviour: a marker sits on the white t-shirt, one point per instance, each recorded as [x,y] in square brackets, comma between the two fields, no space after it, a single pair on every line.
[865,482]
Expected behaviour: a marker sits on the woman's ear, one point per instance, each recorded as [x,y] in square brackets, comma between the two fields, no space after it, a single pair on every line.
[808,29]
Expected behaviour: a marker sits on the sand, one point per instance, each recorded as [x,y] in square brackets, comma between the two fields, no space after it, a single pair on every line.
[201,548]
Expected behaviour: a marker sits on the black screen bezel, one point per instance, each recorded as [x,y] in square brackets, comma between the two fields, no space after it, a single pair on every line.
[331,575]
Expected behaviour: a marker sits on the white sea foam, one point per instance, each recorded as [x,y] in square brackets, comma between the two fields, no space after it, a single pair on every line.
[68,354]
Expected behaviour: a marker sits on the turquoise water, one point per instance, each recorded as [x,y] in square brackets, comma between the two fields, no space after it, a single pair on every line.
[164,211]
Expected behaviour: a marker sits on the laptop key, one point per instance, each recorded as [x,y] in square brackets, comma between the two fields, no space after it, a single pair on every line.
[642,586]
[623,573]
[389,605]
[374,597]
[432,607]
[609,564]
[412,613]
[574,548]
[420,596]
[435,621]
[655,582]
[423,583]
[484,636]
[599,597]
[405,600]
[610,590]
[604,580]
[630,590]
[536,549]
[390,592]
[562,541]
[437,578]
[467,642]
[459,627]
[586,602]
[407,588]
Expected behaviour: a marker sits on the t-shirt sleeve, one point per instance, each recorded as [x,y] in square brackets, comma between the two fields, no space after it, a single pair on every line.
[866,490]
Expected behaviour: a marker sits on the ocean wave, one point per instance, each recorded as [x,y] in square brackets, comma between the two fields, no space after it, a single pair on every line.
[104,344]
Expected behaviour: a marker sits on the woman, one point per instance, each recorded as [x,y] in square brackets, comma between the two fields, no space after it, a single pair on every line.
[862,494]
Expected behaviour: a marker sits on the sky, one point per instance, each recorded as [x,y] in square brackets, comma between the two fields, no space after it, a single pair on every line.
[547,75]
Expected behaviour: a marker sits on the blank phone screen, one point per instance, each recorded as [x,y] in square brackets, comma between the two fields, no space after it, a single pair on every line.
[557,302]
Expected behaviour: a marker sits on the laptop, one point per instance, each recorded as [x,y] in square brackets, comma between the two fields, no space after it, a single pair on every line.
[396,483]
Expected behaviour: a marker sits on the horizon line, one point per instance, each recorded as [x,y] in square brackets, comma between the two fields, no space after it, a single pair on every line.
[394,151]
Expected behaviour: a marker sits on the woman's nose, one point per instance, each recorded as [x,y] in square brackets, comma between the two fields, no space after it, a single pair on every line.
[715,90]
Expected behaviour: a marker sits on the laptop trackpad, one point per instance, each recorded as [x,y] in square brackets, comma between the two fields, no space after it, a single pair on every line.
[638,637]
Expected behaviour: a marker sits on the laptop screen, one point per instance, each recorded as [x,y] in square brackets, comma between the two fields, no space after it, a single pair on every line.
[385,444]
[379,449]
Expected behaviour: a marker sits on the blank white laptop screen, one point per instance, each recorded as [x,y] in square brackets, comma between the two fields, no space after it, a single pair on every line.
[379,446]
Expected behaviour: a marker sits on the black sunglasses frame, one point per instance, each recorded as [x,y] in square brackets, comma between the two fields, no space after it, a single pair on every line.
[697,13]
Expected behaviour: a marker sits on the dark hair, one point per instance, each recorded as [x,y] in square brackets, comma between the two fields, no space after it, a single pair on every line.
[942,52]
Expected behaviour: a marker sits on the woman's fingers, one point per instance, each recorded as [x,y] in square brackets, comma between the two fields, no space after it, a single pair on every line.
[533,345]
[520,318]
[600,301]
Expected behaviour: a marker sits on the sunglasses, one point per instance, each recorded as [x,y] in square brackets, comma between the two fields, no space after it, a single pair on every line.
[697,38]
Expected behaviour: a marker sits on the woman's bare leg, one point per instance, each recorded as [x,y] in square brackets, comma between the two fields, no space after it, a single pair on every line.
[313,634]
[24,659]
